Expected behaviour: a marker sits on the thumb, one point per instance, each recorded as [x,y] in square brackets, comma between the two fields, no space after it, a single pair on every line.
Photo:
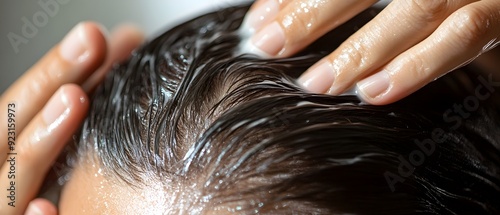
[41,207]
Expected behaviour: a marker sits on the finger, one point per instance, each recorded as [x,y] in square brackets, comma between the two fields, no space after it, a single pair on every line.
[398,27]
[123,41]
[80,53]
[39,145]
[300,23]
[261,13]
[463,36]
[41,207]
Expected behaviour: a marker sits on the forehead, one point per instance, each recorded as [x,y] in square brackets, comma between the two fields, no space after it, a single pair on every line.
[89,191]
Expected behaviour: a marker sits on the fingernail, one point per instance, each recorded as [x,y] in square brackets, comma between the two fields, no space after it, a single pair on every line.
[270,39]
[318,78]
[259,16]
[374,85]
[33,210]
[74,47]
[56,110]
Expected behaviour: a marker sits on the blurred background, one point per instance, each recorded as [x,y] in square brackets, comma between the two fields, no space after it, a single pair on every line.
[53,22]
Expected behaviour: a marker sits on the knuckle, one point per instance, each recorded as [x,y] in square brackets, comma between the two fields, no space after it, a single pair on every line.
[40,82]
[50,75]
[415,66]
[27,155]
[354,53]
[428,11]
[302,24]
[349,62]
[33,138]
[470,25]
[300,18]
[28,152]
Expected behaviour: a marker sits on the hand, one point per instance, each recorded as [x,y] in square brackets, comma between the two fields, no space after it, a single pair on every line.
[40,112]
[409,44]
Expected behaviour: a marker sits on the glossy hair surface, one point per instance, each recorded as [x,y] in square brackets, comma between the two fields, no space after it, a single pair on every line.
[229,133]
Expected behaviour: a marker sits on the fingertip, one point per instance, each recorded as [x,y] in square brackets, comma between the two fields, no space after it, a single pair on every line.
[77,97]
[41,207]
[67,103]
[97,35]
[373,89]
[366,99]
[125,38]
[128,29]
[270,39]
[377,90]
[247,47]
[85,44]
[267,42]
[256,4]
[319,78]
[259,14]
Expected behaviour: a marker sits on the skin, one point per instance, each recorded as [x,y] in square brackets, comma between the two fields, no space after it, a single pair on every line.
[50,102]
[58,82]
[409,44]
[91,190]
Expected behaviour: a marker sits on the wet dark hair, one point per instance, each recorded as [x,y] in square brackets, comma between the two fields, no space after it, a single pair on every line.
[235,133]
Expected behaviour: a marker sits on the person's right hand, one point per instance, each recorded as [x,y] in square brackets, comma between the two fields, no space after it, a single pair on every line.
[407,45]
[40,112]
